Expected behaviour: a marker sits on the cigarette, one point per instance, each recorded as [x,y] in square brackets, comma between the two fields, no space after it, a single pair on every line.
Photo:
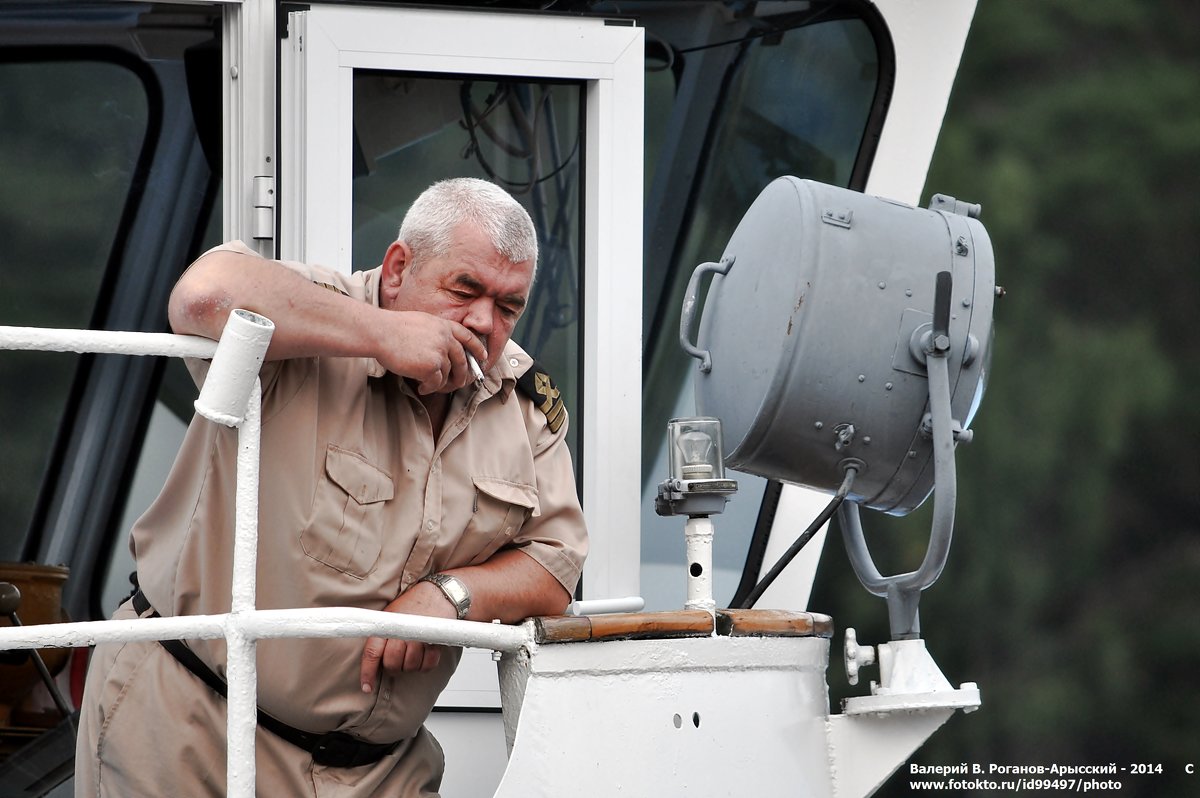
[478,372]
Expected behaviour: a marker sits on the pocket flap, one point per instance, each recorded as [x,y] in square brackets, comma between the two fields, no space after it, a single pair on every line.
[510,492]
[363,481]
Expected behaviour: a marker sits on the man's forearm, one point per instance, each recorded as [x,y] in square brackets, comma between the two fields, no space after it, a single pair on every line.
[312,321]
[512,586]
[309,320]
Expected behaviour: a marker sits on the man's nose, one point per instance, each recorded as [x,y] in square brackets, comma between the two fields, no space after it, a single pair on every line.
[479,316]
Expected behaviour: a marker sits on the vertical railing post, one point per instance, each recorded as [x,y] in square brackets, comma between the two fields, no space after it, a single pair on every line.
[242,666]
[232,395]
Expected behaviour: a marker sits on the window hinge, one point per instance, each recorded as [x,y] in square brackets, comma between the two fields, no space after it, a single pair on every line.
[264,208]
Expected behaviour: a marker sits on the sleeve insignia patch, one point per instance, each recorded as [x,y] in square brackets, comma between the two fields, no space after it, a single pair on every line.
[537,385]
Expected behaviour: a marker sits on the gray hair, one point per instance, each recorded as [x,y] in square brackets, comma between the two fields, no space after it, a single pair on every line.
[428,227]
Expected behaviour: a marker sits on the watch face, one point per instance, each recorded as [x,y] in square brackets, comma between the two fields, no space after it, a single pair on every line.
[456,591]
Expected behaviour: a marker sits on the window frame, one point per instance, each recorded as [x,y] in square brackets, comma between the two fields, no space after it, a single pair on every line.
[323,47]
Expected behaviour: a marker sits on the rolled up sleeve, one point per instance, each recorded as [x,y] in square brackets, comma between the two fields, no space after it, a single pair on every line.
[556,535]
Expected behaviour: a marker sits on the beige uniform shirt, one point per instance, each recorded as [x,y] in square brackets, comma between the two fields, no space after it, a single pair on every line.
[357,502]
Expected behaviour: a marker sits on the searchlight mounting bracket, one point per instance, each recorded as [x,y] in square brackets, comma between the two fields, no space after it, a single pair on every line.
[903,591]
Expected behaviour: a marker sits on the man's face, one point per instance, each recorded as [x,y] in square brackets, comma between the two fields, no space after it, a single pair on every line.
[471,284]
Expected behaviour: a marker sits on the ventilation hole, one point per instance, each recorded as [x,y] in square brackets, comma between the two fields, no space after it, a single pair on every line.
[697,569]
[678,721]
[696,719]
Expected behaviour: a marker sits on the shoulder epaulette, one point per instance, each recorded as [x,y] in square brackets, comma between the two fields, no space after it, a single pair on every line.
[537,385]
[330,287]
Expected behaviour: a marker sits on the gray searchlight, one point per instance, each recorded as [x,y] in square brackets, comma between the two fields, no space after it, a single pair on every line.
[844,343]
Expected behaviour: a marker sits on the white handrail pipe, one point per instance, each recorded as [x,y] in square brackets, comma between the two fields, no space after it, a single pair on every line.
[317,622]
[606,606]
[110,342]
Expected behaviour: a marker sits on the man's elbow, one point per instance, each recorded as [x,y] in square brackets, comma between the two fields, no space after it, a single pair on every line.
[199,305]
[555,600]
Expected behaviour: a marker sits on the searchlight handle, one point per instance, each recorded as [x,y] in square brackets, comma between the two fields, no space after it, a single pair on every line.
[943,287]
[690,299]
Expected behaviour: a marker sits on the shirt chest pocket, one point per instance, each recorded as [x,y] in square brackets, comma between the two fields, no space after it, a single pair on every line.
[346,531]
[499,510]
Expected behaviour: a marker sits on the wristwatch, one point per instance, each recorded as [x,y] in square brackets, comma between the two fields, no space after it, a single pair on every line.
[455,591]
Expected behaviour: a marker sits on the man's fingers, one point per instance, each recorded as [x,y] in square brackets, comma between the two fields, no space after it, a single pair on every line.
[433,383]
[414,655]
[369,668]
[394,656]
[460,372]
[470,342]
[453,371]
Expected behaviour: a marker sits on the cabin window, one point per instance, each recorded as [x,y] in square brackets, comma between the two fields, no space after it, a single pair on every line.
[660,91]
[583,94]
[71,134]
[412,130]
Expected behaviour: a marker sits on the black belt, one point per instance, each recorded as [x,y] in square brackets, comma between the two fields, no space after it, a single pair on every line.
[333,749]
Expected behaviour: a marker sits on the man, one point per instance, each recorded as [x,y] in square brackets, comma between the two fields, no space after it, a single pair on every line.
[390,481]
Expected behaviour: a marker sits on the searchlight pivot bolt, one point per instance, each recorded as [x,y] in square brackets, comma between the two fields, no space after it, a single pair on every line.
[845,436]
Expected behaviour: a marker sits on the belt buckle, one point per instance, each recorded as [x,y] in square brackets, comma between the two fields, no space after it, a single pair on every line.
[336,749]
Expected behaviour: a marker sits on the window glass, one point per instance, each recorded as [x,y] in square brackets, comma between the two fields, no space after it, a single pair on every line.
[169,419]
[659,97]
[796,105]
[71,133]
[412,130]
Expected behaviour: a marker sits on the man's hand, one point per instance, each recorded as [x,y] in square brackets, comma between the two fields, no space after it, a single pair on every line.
[396,655]
[510,586]
[432,351]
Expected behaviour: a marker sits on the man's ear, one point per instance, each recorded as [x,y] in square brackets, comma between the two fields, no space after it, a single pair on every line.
[397,262]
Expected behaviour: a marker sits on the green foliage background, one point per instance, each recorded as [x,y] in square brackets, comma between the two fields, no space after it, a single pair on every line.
[1073,590]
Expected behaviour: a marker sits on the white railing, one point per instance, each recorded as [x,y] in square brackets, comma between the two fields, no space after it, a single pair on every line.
[232,396]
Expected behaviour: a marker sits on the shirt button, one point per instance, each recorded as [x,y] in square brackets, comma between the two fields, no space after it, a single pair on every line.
[429,524]
[512,361]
